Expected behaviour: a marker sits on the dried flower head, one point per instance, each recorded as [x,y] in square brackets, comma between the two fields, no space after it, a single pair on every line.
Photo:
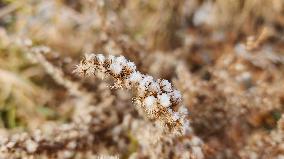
[157,97]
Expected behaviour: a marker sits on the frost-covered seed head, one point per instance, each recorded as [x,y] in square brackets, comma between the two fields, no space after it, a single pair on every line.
[116,68]
[176,95]
[164,100]
[149,91]
[150,102]
[146,81]
[166,85]
[154,87]
[131,66]
[121,60]
[142,89]
[135,77]
[100,58]
[144,85]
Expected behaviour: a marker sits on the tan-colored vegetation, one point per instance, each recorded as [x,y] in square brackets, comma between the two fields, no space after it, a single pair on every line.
[222,60]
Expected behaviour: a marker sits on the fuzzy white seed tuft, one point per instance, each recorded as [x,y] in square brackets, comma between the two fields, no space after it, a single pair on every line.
[146,81]
[100,58]
[135,77]
[131,66]
[121,60]
[116,68]
[164,100]
[154,87]
[176,95]
[150,102]
[166,85]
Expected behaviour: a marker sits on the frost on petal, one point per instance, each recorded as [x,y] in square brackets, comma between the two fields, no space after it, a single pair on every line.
[150,102]
[116,68]
[164,100]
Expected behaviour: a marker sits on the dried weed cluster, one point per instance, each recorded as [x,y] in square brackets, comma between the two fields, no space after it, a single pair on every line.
[157,97]
[222,60]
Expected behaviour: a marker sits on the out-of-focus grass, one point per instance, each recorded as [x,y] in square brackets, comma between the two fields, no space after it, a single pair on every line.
[8,117]
[28,96]
[133,145]
[16,99]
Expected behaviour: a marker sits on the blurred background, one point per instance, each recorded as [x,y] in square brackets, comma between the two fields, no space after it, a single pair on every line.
[225,56]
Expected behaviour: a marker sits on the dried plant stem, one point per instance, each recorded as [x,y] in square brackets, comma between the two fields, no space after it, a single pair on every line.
[157,98]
